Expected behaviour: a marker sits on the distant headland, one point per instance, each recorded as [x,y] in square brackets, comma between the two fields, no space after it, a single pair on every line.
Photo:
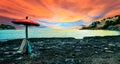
[110,23]
[4,27]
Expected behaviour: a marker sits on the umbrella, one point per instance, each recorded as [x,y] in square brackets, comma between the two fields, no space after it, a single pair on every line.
[25,43]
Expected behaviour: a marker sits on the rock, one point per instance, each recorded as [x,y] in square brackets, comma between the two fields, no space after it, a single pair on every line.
[111,44]
[19,58]
[109,51]
[1,59]
[6,52]
[106,48]
[16,48]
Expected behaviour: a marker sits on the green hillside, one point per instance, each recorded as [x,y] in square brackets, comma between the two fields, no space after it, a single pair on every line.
[110,23]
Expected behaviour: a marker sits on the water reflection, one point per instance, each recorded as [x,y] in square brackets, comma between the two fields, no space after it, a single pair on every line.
[78,34]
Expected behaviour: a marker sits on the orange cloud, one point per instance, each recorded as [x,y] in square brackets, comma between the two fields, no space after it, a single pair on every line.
[59,10]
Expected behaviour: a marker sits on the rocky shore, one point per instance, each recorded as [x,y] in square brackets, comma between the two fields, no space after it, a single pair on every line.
[90,50]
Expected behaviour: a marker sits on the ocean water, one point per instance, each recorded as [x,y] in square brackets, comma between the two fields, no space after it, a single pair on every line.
[78,34]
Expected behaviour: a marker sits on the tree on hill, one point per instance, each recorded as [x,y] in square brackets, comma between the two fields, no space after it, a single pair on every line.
[107,24]
[94,24]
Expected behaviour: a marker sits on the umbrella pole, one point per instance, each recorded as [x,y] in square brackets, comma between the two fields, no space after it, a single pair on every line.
[26,31]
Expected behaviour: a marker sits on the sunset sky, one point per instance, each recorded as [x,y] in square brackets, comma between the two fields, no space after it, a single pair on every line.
[58,13]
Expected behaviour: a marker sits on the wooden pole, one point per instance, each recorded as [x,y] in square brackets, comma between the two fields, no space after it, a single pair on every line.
[26,29]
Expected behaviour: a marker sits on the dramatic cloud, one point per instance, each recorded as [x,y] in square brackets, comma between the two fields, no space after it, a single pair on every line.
[58,10]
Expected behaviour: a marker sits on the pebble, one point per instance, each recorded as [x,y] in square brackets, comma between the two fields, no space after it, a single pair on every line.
[19,58]
[105,48]
[15,48]
[6,52]
[1,59]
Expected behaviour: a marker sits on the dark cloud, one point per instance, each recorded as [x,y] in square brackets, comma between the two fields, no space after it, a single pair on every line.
[5,19]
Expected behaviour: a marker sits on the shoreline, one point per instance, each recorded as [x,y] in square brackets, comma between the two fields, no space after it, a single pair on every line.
[89,37]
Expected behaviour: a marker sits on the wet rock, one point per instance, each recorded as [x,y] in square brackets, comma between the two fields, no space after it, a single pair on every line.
[16,48]
[6,53]
[1,59]
[19,58]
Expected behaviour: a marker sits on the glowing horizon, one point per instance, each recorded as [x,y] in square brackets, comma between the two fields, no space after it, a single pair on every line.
[58,10]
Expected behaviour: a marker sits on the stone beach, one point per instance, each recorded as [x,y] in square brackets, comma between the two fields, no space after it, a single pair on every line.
[89,50]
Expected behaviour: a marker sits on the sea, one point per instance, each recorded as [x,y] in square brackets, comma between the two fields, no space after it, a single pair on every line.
[59,33]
